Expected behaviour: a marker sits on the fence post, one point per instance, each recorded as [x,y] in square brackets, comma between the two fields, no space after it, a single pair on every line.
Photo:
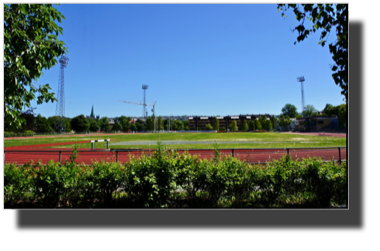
[340,156]
[287,150]
[117,156]
[60,156]
[233,155]
[107,144]
[92,145]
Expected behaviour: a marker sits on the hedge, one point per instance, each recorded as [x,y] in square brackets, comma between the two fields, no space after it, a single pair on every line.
[19,134]
[170,179]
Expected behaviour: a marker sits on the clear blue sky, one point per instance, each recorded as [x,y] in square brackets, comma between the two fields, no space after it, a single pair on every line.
[202,59]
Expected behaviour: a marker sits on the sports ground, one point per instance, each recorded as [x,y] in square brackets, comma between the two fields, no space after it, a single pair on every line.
[251,147]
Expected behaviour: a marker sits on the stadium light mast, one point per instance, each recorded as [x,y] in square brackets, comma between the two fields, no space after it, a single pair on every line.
[145,87]
[302,79]
[60,108]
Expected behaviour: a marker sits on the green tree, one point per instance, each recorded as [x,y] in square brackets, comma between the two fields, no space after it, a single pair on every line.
[258,124]
[324,17]
[67,125]
[233,126]
[140,126]
[186,125]
[124,122]
[289,110]
[244,126]
[216,124]
[310,110]
[160,124]
[208,127]
[117,126]
[284,122]
[43,125]
[178,125]
[31,45]
[94,126]
[149,124]
[273,121]
[80,124]
[251,125]
[104,124]
[133,128]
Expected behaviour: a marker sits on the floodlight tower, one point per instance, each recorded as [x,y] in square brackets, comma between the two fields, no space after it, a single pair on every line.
[302,79]
[144,87]
[60,108]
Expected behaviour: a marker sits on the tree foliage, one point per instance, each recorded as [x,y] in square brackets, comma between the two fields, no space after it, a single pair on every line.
[104,124]
[124,122]
[233,126]
[80,124]
[244,126]
[208,127]
[251,125]
[160,124]
[273,121]
[284,122]
[216,124]
[43,125]
[310,111]
[324,17]
[30,45]
[289,110]
[94,126]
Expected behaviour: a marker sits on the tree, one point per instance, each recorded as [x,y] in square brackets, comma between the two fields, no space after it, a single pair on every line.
[233,126]
[124,122]
[30,46]
[80,123]
[160,124]
[133,128]
[289,110]
[284,122]
[258,124]
[149,124]
[178,125]
[251,125]
[94,126]
[273,121]
[208,127]
[139,126]
[216,124]
[117,126]
[30,120]
[310,111]
[244,126]
[104,124]
[67,124]
[325,17]
[43,125]
[186,125]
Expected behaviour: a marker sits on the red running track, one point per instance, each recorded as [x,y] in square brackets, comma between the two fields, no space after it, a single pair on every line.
[250,156]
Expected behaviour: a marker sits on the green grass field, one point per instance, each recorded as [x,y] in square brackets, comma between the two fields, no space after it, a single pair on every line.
[268,140]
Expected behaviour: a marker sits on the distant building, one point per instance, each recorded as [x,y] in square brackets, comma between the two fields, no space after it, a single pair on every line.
[200,122]
[92,115]
[317,123]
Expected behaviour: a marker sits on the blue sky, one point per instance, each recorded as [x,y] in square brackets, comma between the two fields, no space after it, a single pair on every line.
[200,59]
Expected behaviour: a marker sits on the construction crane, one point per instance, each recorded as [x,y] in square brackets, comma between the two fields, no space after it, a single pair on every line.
[153,110]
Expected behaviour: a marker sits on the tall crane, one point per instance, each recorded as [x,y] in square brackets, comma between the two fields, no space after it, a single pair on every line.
[153,110]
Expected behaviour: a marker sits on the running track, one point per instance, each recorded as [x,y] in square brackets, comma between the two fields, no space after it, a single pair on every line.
[251,155]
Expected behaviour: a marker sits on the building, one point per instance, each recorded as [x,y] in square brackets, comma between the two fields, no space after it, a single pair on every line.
[92,115]
[198,123]
[317,123]
[292,127]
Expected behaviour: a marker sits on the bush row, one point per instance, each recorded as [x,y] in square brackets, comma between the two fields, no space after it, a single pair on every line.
[18,134]
[157,180]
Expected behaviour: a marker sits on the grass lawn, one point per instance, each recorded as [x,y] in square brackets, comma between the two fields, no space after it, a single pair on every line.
[272,140]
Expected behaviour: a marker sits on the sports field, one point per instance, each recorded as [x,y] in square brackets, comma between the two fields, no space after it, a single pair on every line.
[184,140]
